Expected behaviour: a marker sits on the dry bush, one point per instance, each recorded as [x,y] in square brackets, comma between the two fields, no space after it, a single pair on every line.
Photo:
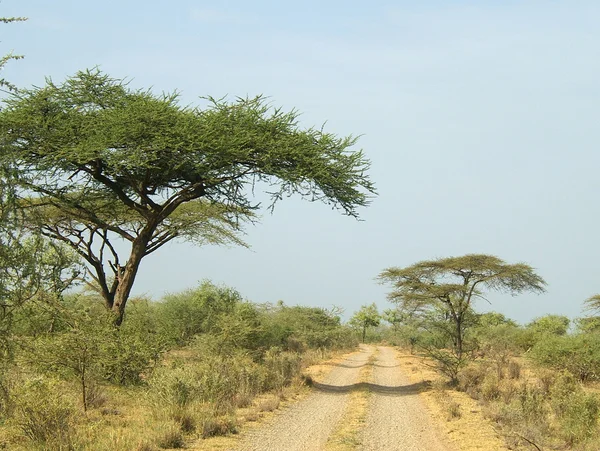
[219,425]
[452,409]
[252,415]
[186,421]
[514,370]
[546,379]
[471,378]
[490,387]
[508,391]
[170,436]
[146,446]
[268,403]
[96,396]
[45,413]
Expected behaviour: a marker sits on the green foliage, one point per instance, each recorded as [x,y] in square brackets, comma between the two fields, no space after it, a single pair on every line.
[10,56]
[367,316]
[578,354]
[182,316]
[576,410]
[550,325]
[296,328]
[44,413]
[590,325]
[235,352]
[93,161]
[592,304]
[451,285]
[493,319]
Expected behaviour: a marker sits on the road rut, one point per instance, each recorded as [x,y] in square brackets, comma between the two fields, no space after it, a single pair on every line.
[396,418]
[306,426]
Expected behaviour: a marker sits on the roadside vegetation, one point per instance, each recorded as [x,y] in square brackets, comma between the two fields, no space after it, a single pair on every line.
[194,365]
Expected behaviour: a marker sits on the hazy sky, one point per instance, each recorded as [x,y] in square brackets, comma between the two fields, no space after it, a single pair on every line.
[480,118]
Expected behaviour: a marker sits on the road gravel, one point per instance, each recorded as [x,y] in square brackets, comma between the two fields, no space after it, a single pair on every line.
[307,425]
[397,419]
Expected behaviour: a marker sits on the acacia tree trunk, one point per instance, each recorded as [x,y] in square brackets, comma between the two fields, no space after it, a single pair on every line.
[127,277]
[459,339]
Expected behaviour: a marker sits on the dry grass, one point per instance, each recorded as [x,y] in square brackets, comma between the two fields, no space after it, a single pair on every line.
[346,435]
[250,418]
[459,415]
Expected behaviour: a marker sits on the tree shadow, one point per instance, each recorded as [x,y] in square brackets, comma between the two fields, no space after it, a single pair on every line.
[389,390]
[359,364]
[346,364]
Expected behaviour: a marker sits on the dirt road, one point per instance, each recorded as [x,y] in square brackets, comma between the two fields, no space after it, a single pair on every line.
[396,420]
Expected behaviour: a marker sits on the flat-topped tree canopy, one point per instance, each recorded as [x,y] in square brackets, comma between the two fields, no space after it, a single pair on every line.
[95,159]
[452,284]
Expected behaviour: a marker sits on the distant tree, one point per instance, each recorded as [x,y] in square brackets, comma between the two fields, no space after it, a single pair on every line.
[367,316]
[491,319]
[94,161]
[394,316]
[550,325]
[451,285]
[588,325]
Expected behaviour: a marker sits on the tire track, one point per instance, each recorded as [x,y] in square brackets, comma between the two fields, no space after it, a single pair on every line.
[306,426]
[397,420]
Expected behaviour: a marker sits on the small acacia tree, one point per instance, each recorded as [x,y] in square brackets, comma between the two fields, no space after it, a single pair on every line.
[95,161]
[449,286]
[367,316]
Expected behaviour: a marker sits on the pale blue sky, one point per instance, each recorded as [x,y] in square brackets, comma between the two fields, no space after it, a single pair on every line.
[480,118]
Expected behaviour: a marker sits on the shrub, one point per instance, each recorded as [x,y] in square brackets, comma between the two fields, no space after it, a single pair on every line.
[452,410]
[281,368]
[470,379]
[219,425]
[514,370]
[44,413]
[170,437]
[224,382]
[490,387]
[579,418]
[578,354]
[577,412]
[268,404]
[184,315]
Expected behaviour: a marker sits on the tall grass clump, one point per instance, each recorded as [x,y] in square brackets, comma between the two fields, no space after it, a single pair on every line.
[44,412]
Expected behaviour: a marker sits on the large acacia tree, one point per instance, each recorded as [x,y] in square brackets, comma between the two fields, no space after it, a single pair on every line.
[96,161]
[451,286]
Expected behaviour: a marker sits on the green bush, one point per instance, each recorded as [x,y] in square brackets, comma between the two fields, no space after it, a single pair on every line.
[182,316]
[45,413]
[578,354]
[577,411]
[280,368]
[224,382]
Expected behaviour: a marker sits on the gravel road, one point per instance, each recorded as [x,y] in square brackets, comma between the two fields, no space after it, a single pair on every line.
[306,425]
[396,419]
